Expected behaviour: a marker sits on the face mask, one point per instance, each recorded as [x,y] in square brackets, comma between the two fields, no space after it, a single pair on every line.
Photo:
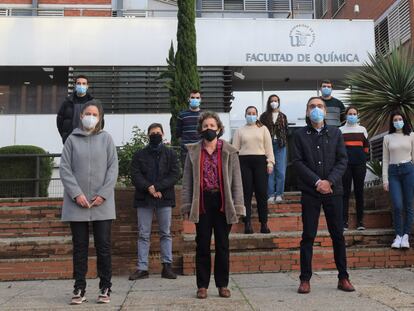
[398,124]
[352,119]
[194,102]
[81,89]
[326,91]
[274,105]
[251,119]
[209,134]
[89,122]
[155,139]
[317,115]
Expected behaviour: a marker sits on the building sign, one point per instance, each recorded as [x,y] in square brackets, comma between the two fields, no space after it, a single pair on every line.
[220,42]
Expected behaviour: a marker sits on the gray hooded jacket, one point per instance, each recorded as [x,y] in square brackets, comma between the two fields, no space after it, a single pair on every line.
[89,166]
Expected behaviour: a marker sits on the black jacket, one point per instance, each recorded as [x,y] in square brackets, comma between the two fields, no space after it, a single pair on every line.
[319,156]
[64,119]
[155,167]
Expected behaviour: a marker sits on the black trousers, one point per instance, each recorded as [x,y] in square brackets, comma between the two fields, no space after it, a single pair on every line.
[311,208]
[215,220]
[102,239]
[357,174]
[255,179]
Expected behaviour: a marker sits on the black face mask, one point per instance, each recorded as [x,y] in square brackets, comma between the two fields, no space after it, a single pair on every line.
[155,139]
[209,134]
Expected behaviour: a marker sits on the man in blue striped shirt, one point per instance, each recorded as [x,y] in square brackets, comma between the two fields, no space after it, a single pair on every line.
[186,128]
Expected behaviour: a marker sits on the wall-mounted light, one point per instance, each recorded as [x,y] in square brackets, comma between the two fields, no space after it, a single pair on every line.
[239,74]
[26,82]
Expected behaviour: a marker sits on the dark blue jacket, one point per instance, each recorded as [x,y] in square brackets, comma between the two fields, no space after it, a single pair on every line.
[319,156]
[155,167]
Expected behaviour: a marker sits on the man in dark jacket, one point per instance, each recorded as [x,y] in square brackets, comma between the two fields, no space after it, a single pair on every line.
[69,113]
[154,172]
[320,160]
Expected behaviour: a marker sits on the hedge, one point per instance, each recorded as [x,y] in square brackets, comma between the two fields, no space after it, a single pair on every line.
[23,167]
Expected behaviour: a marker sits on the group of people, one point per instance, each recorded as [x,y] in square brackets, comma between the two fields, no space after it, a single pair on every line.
[219,179]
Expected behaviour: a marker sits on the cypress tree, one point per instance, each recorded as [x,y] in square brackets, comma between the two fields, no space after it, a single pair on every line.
[186,75]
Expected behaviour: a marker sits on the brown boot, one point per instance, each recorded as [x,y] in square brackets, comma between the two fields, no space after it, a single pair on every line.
[202,293]
[224,292]
[304,287]
[345,285]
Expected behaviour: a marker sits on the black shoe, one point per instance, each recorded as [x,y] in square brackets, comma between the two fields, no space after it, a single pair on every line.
[248,228]
[139,274]
[360,226]
[264,228]
[167,272]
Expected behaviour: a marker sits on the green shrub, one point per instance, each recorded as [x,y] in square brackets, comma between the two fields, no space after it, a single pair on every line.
[21,168]
[126,152]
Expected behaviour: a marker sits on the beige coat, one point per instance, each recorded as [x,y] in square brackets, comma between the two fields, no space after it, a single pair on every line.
[233,188]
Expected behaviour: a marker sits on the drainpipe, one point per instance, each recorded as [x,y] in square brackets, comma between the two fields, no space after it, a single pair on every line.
[120,7]
[34,7]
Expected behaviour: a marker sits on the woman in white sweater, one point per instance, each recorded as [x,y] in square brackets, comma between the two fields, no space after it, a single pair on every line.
[398,175]
[254,144]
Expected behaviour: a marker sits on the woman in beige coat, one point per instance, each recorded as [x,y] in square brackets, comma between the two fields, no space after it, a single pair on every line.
[212,198]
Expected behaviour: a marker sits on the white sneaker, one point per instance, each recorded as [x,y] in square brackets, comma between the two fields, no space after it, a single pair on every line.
[271,199]
[397,242]
[279,198]
[78,297]
[404,242]
[104,296]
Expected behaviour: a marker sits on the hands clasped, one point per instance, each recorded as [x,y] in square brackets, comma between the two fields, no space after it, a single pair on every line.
[82,201]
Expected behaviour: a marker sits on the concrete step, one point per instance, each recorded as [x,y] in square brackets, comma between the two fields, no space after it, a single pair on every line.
[289,260]
[293,221]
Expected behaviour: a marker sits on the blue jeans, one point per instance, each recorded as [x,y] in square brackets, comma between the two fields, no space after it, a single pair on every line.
[401,186]
[276,184]
[144,234]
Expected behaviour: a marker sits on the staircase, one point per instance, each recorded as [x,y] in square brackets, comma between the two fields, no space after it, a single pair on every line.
[35,244]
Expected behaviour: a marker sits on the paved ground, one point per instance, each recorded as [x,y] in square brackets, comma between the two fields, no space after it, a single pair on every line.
[377,290]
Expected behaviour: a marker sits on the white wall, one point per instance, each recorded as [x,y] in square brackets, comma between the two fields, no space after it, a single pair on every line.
[41,131]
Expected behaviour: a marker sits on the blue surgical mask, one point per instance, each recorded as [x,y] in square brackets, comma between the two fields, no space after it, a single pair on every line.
[317,115]
[81,89]
[194,102]
[251,119]
[352,119]
[326,91]
[398,124]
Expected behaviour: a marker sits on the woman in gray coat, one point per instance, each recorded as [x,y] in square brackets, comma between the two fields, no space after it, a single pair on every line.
[89,170]
[212,198]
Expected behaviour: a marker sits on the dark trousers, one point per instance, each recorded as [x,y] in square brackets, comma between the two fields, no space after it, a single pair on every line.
[215,220]
[355,173]
[255,178]
[311,208]
[102,240]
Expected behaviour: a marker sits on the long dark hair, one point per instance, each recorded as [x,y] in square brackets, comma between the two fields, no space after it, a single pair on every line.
[258,123]
[268,107]
[407,129]
[97,104]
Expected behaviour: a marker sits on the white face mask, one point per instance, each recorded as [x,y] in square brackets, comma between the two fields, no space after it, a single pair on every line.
[89,122]
[274,105]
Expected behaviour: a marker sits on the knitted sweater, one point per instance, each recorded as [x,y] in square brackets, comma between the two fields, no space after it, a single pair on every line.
[254,140]
[356,143]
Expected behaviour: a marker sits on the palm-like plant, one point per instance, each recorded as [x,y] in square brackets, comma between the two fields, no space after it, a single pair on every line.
[383,85]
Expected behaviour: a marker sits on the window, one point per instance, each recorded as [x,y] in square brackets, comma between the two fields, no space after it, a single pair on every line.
[337,5]
[393,28]
[321,7]
[233,5]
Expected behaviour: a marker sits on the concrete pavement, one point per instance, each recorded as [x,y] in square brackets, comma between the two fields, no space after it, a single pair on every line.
[376,290]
